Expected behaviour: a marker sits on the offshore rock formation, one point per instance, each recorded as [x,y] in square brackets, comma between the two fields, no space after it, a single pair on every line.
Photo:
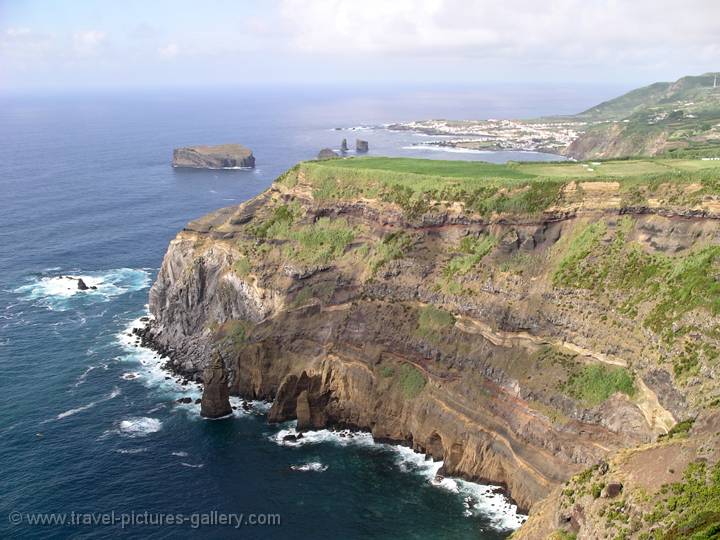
[215,401]
[224,156]
[343,146]
[474,338]
[327,153]
[361,147]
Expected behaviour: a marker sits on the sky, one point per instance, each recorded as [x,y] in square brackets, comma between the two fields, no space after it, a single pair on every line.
[47,45]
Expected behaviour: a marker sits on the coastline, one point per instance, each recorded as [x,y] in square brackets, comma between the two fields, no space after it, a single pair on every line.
[333,431]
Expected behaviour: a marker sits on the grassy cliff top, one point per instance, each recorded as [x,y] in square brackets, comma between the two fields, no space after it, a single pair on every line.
[392,168]
[422,185]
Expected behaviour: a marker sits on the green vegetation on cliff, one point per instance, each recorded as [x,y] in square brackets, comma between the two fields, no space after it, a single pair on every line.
[472,250]
[595,383]
[391,247]
[320,242]
[691,508]
[433,323]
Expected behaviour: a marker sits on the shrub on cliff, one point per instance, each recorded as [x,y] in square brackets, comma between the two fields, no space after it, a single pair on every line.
[434,323]
[595,383]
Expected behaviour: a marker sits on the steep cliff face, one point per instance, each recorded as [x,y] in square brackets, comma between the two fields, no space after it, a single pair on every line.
[521,347]
[666,490]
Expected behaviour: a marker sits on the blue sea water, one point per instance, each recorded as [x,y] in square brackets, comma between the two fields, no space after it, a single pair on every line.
[88,422]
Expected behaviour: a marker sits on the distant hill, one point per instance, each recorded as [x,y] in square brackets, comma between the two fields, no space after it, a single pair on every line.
[681,117]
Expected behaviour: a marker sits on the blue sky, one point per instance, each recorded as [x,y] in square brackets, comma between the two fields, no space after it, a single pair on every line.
[47,44]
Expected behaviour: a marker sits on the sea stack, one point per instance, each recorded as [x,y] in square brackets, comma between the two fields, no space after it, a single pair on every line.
[223,156]
[343,146]
[216,396]
[361,147]
[327,153]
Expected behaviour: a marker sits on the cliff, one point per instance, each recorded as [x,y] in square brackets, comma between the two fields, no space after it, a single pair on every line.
[224,156]
[522,329]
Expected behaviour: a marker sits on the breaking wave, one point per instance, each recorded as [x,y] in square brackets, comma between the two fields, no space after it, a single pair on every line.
[313,466]
[488,501]
[115,393]
[57,292]
[139,427]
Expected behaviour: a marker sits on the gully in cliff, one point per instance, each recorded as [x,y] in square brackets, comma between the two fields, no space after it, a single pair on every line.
[216,398]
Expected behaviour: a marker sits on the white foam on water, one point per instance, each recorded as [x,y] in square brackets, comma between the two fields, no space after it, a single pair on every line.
[131,451]
[139,426]
[180,454]
[254,407]
[55,292]
[312,466]
[151,372]
[115,393]
[485,500]
[197,466]
[84,374]
[130,375]
[342,437]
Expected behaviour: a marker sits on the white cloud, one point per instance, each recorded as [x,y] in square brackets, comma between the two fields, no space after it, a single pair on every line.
[578,31]
[170,50]
[377,40]
[88,42]
[17,32]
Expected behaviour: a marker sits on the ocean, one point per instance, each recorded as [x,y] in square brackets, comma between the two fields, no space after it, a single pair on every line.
[89,423]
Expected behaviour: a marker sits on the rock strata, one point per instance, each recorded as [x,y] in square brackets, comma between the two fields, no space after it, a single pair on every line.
[470,337]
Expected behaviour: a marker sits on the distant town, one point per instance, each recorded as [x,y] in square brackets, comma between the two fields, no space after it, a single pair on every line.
[537,136]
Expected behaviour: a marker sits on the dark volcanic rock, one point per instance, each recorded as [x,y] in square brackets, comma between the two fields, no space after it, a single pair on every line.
[224,156]
[327,153]
[361,146]
[344,146]
[613,489]
[216,397]
[81,285]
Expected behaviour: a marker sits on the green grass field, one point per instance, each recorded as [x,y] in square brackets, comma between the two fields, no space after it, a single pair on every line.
[613,169]
[434,167]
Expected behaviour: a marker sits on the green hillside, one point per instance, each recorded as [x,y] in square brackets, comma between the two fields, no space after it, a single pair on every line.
[680,119]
